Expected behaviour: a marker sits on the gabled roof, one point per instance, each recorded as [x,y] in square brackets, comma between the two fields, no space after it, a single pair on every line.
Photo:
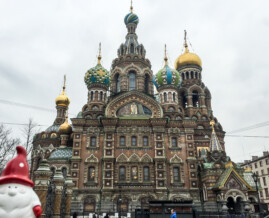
[226,174]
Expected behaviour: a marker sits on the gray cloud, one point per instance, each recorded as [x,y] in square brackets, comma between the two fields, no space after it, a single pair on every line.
[41,41]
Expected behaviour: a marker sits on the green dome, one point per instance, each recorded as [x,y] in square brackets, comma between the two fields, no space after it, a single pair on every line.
[97,74]
[167,76]
[131,18]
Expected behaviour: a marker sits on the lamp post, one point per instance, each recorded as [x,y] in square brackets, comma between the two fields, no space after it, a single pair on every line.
[255,178]
[120,202]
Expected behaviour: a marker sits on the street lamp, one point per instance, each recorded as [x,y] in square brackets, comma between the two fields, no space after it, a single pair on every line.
[255,178]
[120,202]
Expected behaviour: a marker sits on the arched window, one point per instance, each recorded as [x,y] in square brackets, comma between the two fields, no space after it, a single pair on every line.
[165,97]
[187,75]
[117,83]
[93,141]
[146,84]
[64,172]
[134,174]
[176,174]
[184,100]
[174,97]
[91,173]
[122,141]
[91,95]
[145,141]
[134,141]
[132,80]
[192,77]
[132,48]
[171,109]
[52,169]
[122,174]
[174,142]
[195,99]
[146,173]
[183,76]
[101,96]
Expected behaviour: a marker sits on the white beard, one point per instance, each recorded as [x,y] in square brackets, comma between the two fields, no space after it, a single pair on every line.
[17,201]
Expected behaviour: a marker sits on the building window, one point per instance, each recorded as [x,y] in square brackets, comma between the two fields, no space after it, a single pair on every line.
[145,141]
[264,181]
[174,97]
[64,172]
[262,172]
[122,173]
[261,194]
[260,163]
[146,84]
[108,174]
[266,192]
[268,171]
[118,83]
[93,141]
[134,173]
[131,80]
[159,145]
[174,142]
[176,174]
[101,96]
[91,173]
[267,161]
[108,152]
[165,97]
[255,165]
[91,95]
[122,141]
[161,184]
[134,141]
[108,166]
[146,173]
[160,166]
[195,99]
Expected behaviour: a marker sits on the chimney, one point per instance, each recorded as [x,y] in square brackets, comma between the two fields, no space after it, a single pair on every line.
[265,153]
[254,157]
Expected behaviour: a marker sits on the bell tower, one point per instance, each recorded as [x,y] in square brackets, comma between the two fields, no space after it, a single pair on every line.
[131,70]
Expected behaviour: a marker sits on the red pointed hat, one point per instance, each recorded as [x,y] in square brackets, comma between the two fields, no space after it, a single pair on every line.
[17,170]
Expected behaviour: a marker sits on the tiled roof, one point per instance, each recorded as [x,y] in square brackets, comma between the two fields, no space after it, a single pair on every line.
[61,153]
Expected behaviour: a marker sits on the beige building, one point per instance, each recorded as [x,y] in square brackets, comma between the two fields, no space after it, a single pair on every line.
[260,166]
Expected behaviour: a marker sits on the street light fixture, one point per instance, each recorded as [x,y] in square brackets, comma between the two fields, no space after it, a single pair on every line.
[255,178]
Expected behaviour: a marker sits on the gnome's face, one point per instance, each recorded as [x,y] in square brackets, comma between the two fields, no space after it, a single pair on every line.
[15,195]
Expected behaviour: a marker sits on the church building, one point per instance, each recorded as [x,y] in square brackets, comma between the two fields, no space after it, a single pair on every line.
[128,145]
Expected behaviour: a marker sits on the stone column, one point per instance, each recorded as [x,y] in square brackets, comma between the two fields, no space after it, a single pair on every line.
[41,178]
[69,190]
[59,183]
[189,100]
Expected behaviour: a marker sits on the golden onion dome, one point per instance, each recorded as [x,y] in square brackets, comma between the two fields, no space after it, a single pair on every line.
[65,128]
[62,99]
[187,58]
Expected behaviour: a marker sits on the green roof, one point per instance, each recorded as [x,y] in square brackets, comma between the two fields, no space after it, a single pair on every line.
[61,154]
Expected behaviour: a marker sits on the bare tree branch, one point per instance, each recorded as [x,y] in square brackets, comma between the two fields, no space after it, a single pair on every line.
[7,145]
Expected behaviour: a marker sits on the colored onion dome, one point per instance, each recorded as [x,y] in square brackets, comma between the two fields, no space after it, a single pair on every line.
[97,74]
[131,17]
[167,76]
[187,58]
[65,128]
[62,99]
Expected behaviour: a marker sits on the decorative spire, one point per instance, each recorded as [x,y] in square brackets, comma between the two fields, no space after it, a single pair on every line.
[214,141]
[64,84]
[185,42]
[99,56]
[165,55]
[131,8]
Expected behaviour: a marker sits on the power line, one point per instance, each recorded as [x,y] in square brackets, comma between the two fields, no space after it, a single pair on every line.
[28,106]
[21,124]
[258,125]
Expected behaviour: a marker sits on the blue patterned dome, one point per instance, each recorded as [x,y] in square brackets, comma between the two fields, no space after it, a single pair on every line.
[131,18]
[167,76]
[97,74]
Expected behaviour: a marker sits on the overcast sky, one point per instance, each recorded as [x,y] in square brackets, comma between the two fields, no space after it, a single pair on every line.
[40,41]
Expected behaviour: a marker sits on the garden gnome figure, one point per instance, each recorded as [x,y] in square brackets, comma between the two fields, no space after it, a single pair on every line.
[17,197]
